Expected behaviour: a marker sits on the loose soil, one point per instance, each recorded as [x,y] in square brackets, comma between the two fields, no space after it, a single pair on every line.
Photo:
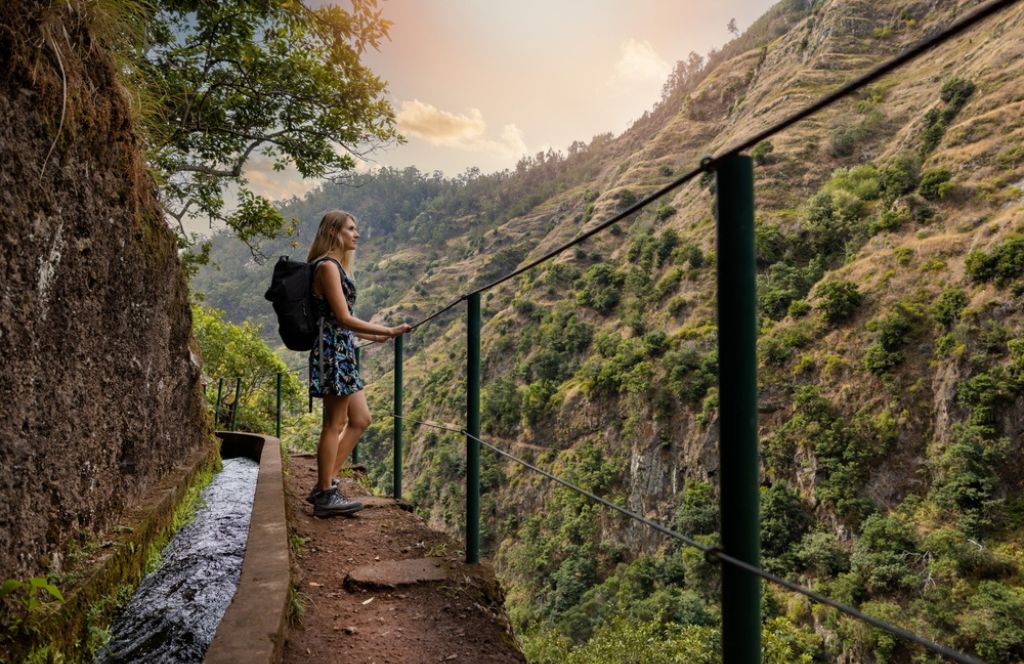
[458,620]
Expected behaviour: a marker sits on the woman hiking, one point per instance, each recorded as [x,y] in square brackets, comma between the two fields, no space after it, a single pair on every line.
[333,375]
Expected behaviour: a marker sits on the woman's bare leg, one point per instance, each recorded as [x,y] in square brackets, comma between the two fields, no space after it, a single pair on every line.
[358,422]
[335,414]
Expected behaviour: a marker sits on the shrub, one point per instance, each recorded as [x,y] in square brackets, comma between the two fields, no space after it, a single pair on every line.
[690,373]
[690,254]
[617,367]
[955,93]
[1005,263]
[842,141]
[837,300]
[664,212]
[798,308]
[819,552]
[588,212]
[668,283]
[535,399]
[891,332]
[500,407]
[762,153]
[833,217]
[770,244]
[946,346]
[844,452]
[546,363]
[900,175]
[784,520]
[562,330]
[965,480]
[698,513]
[935,184]
[642,250]
[947,308]
[862,181]
[887,221]
[776,348]
[655,343]
[624,198]
[666,244]
[995,622]
[600,287]
[982,392]
[882,555]
[784,283]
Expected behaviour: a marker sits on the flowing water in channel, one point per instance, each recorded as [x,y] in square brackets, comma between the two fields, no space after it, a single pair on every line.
[174,613]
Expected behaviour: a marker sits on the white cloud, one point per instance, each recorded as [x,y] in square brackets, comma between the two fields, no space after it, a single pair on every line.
[639,62]
[430,123]
[463,132]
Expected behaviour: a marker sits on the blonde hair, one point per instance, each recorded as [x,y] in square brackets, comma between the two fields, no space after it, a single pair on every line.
[326,239]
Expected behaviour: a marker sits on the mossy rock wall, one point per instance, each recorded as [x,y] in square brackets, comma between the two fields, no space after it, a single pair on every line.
[100,388]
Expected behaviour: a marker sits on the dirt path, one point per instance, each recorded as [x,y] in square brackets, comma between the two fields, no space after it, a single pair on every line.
[460,619]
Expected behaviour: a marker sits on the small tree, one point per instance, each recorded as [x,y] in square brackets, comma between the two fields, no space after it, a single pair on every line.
[222,82]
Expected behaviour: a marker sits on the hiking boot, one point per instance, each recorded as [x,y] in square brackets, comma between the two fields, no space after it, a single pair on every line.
[316,489]
[331,503]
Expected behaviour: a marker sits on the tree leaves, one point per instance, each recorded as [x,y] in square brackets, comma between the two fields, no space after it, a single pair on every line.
[227,82]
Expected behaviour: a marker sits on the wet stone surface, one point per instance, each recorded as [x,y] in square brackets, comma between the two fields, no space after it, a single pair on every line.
[174,613]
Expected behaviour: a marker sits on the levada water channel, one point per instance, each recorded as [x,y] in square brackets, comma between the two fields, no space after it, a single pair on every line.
[175,611]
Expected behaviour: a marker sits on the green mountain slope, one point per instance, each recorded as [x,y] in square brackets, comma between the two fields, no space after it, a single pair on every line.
[891,277]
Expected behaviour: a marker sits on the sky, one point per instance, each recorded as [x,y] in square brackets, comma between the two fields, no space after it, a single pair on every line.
[480,83]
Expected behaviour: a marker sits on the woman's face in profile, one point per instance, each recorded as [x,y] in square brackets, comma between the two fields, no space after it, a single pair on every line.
[349,235]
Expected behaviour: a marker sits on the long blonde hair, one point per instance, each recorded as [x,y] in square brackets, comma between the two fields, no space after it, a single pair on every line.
[326,239]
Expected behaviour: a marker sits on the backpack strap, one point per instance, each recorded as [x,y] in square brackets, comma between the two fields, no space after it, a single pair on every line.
[317,262]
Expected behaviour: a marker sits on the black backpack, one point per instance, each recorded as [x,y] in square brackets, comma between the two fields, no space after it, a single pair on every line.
[291,293]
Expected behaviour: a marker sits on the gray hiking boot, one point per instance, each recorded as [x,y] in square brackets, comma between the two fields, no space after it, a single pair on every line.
[316,489]
[331,503]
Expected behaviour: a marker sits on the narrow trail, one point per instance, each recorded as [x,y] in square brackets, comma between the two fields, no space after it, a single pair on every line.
[383,588]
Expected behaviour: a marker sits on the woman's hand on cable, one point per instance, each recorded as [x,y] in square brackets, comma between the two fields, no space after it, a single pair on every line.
[399,330]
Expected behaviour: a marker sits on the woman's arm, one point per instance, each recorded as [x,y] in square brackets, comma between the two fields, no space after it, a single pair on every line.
[372,337]
[328,281]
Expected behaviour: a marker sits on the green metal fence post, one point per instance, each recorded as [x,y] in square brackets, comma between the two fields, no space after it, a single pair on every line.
[737,360]
[234,406]
[473,429]
[216,408]
[278,428]
[399,358]
[355,448]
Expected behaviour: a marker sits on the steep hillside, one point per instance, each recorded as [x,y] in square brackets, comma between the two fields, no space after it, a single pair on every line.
[891,277]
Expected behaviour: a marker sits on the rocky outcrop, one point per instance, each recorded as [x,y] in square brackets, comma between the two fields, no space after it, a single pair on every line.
[100,386]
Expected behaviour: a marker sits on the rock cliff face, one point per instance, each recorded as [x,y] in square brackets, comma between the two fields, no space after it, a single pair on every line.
[100,388]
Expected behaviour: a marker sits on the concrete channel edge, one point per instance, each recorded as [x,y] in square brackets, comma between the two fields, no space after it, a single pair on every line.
[253,626]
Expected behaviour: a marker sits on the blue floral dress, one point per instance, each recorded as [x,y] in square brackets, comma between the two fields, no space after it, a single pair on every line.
[332,362]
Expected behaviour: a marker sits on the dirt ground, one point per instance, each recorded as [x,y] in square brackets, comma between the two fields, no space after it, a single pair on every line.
[458,620]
